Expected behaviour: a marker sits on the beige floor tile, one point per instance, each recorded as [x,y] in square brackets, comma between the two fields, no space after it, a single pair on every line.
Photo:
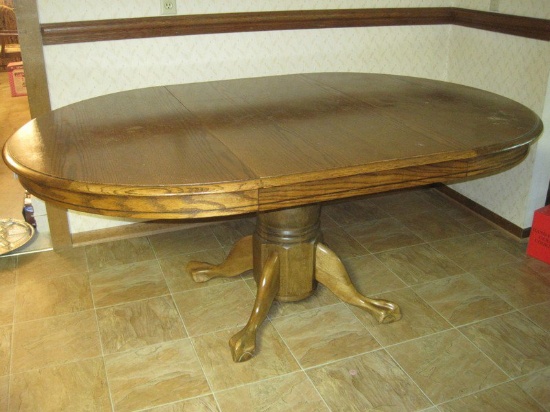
[419,264]
[370,277]
[433,225]
[137,324]
[53,341]
[372,381]
[7,304]
[322,335]
[4,392]
[321,297]
[184,242]
[326,221]
[513,342]
[78,386]
[155,375]
[401,202]
[540,314]
[462,299]
[352,212]
[473,252]
[121,252]
[7,271]
[418,319]
[383,234]
[535,264]
[179,280]
[232,230]
[446,365]
[5,349]
[126,283]
[470,219]
[293,392]
[507,397]
[41,298]
[202,404]
[537,386]
[342,243]
[218,307]
[59,263]
[516,283]
[272,358]
[506,242]
[436,198]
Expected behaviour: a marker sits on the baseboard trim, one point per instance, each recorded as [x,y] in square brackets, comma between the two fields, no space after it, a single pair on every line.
[132,230]
[492,217]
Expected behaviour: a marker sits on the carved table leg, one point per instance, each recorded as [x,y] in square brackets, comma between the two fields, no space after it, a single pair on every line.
[243,344]
[332,273]
[288,259]
[238,261]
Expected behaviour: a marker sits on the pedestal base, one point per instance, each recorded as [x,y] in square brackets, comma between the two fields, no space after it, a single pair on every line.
[288,259]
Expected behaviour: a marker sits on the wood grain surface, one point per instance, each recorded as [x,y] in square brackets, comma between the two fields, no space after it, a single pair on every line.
[258,144]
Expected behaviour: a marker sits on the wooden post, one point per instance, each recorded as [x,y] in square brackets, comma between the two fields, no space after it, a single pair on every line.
[32,51]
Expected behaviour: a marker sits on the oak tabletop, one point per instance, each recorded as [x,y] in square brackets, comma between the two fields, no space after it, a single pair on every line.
[246,145]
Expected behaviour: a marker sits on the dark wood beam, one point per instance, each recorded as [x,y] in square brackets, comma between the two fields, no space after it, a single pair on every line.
[135,28]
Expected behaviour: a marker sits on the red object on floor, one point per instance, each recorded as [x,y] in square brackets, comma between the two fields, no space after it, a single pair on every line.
[17,79]
[539,240]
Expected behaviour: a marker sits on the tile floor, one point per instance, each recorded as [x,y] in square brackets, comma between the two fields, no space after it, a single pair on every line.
[120,326]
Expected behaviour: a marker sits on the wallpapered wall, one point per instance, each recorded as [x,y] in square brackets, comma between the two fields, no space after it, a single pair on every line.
[517,68]
[505,64]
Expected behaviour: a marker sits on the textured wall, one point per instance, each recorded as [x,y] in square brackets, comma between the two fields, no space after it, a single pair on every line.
[77,10]
[79,71]
[529,8]
[517,68]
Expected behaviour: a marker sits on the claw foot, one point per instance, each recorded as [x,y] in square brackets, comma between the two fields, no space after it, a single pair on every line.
[238,261]
[387,312]
[200,271]
[243,345]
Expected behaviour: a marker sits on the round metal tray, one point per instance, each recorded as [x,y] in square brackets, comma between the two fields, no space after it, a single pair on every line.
[14,234]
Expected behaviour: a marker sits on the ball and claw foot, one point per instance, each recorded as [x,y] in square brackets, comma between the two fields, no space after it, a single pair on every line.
[330,271]
[238,261]
[201,272]
[243,345]
[386,312]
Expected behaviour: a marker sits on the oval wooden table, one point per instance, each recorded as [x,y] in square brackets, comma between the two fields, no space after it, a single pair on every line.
[278,146]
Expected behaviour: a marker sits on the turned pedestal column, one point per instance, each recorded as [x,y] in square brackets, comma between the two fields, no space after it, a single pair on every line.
[288,259]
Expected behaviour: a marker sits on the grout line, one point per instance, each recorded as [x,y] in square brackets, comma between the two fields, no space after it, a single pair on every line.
[274,318]
[12,340]
[475,392]
[411,378]
[193,346]
[528,394]
[301,369]
[100,337]
[316,389]
[346,358]
[99,334]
